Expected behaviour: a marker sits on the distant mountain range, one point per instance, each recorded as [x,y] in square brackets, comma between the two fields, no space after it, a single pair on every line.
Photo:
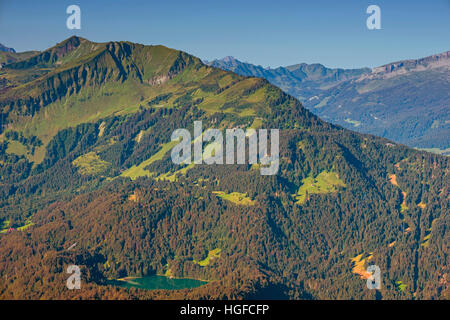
[301,80]
[9,55]
[6,49]
[406,101]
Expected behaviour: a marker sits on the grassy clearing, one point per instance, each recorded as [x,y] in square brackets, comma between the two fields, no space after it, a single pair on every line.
[403,206]
[212,254]
[172,176]
[101,129]
[322,103]
[228,103]
[301,145]
[325,182]
[400,286]
[445,152]
[421,205]
[168,272]
[426,240]
[257,96]
[236,198]
[139,136]
[27,224]
[257,123]
[355,123]
[359,265]
[90,164]
[138,171]
[133,197]
[393,179]
[16,147]
[5,226]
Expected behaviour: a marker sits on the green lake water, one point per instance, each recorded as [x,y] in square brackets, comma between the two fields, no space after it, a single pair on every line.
[159,282]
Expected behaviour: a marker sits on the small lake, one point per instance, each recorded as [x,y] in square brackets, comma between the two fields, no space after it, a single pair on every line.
[158,282]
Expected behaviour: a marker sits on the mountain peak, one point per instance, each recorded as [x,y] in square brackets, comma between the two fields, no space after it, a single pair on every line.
[68,44]
[74,40]
[226,62]
[74,46]
[230,59]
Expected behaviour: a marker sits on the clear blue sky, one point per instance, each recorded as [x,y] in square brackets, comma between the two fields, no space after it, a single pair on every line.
[269,33]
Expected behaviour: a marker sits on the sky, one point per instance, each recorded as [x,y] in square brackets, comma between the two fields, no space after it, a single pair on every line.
[268,33]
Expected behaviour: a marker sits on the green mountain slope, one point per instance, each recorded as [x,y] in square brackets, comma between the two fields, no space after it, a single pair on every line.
[10,57]
[85,160]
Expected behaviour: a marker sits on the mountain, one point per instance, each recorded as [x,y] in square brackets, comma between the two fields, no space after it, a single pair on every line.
[406,101]
[86,178]
[6,49]
[9,55]
[300,80]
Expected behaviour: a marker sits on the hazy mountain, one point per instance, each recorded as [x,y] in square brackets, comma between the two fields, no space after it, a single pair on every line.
[6,49]
[406,101]
[9,55]
[300,80]
[86,178]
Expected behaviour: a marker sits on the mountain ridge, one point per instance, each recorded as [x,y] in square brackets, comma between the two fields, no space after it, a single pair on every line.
[405,101]
[433,61]
[301,74]
[6,49]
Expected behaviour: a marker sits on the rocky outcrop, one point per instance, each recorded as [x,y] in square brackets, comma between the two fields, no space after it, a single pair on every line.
[441,60]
